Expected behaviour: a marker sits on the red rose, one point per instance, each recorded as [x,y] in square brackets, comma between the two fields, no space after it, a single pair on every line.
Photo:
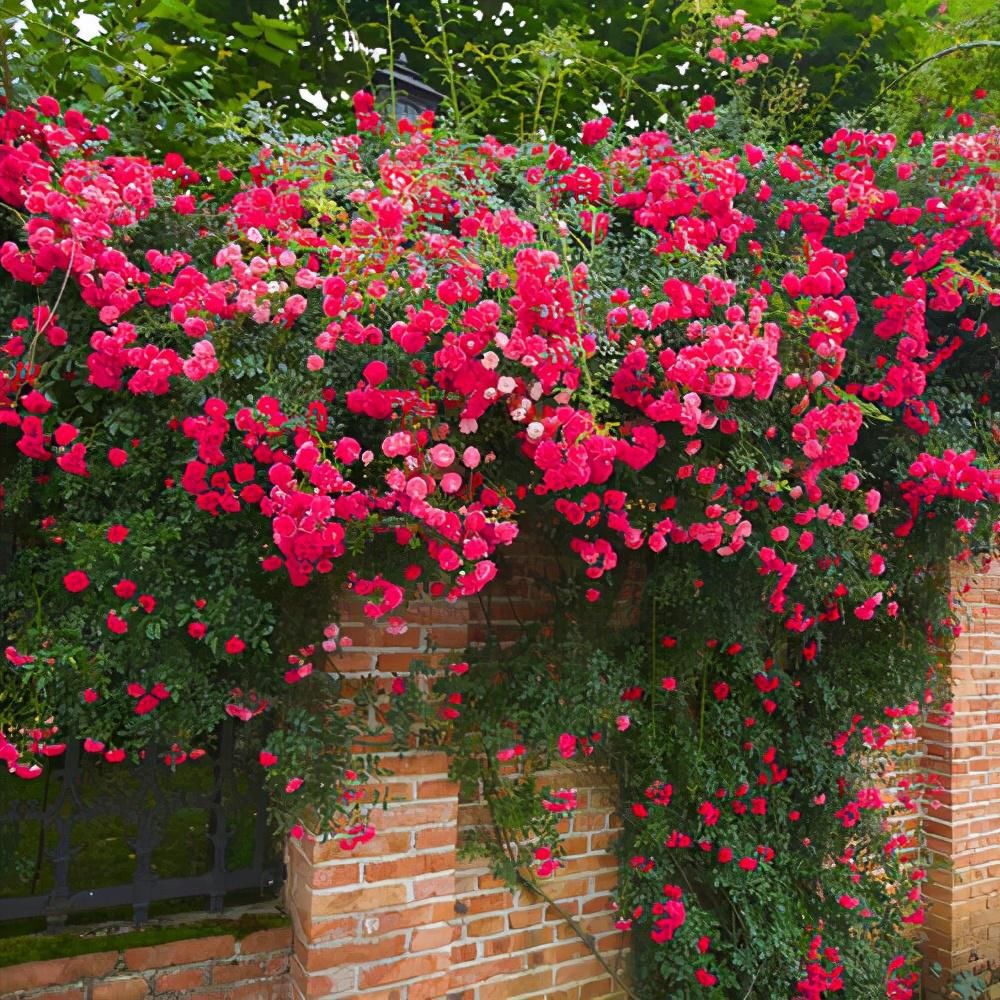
[75,581]
[595,130]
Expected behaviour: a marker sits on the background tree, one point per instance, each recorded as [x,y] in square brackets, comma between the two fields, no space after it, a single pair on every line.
[162,67]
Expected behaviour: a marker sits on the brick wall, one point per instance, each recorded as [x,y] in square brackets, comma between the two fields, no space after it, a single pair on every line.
[963,833]
[405,918]
[402,918]
[517,944]
[208,968]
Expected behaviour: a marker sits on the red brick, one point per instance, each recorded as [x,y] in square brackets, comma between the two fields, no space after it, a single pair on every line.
[437,612]
[253,991]
[237,972]
[273,939]
[350,663]
[440,789]
[277,964]
[322,929]
[371,637]
[335,983]
[162,956]
[384,842]
[534,982]
[406,868]
[359,953]
[405,817]
[486,926]
[425,938]
[56,971]
[334,876]
[183,979]
[432,989]
[133,988]
[430,888]
[413,967]
[526,916]
[462,953]
[598,988]
[508,944]
[448,637]
[357,900]
[401,663]
[416,916]
[566,888]
[397,792]
[422,762]
[481,972]
[427,840]
[487,902]
[491,882]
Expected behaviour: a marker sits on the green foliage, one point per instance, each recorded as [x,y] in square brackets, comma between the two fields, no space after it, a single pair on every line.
[201,67]
[916,94]
[570,676]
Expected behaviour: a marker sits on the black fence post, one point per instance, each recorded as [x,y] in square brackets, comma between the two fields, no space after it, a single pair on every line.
[218,832]
[61,815]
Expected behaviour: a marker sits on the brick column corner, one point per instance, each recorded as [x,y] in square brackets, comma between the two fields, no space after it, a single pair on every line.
[373,923]
[963,832]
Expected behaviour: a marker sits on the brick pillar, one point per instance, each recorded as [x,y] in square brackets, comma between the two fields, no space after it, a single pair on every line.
[373,923]
[963,920]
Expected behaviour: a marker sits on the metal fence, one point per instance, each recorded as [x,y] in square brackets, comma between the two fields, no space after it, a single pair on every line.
[198,832]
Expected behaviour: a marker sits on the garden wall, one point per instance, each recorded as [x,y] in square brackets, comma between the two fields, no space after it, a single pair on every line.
[402,917]
[220,967]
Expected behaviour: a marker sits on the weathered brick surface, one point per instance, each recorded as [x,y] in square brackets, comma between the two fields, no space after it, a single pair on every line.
[120,988]
[215,968]
[401,917]
[180,952]
[56,971]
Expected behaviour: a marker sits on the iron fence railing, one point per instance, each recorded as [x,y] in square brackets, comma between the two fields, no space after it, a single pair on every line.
[199,830]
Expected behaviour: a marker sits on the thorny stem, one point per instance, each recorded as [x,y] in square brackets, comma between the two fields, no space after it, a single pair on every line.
[448,64]
[392,58]
[8,83]
[983,43]
[55,305]
[586,938]
[704,694]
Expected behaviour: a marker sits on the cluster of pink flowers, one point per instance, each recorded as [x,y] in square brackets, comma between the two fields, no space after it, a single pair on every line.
[739,30]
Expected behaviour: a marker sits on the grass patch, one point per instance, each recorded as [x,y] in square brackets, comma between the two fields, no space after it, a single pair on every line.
[42,947]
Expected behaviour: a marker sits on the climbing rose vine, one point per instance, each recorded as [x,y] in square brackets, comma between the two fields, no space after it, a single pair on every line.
[757,383]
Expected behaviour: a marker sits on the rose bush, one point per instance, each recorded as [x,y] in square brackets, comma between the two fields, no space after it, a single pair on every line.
[759,380]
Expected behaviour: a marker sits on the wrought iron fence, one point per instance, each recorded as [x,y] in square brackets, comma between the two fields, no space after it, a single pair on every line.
[91,836]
